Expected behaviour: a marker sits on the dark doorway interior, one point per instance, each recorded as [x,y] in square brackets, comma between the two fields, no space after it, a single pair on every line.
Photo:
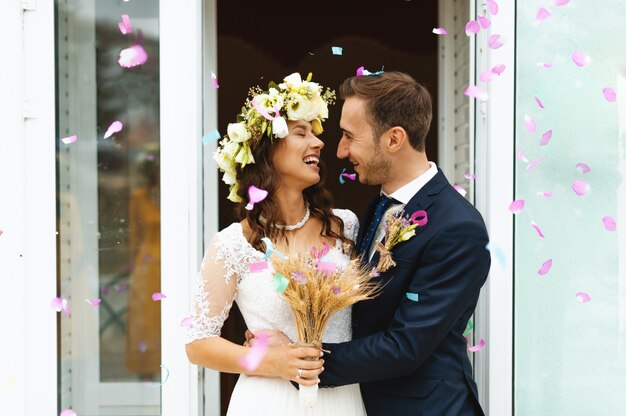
[259,42]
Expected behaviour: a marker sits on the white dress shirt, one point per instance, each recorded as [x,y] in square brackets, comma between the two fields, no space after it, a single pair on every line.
[403,195]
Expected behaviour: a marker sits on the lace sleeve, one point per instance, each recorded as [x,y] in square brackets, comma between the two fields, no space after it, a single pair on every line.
[215,291]
[350,223]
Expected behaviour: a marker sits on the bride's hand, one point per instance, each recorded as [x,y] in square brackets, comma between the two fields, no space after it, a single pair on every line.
[275,338]
[291,362]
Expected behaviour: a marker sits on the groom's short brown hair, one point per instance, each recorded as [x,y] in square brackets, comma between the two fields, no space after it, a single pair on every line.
[393,99]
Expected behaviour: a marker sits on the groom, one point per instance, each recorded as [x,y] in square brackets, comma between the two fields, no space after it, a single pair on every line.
[408,352]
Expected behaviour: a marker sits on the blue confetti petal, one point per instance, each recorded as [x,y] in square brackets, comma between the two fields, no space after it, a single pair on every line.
[341,179]
[337,50]
[413,296]
[497,252]
[210,136]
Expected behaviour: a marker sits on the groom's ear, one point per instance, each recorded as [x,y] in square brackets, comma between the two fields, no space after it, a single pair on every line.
[397,137]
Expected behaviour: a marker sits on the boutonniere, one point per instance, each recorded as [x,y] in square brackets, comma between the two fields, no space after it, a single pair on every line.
[399,227]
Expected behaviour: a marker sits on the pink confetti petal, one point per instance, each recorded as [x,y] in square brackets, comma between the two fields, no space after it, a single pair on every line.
[609,94]
[476,92]
[67,412]
[440,31]
[258,266]
[487,75]
[477,347]
[327,267]
[93,302]
[472,27]
[533,164]
[609,223]
[1,232]
[493,7]
[469,176]
[580,187]
[420,218]
[253,358]
[255,195]
[134,56]
[545,268]
[125,26]
[581,58]
[545,194]
[60,304]
[544,64]
[187,322]
[583,168]
[484,22]
[539,103]
[351,176]
[460,190]
[336,290]
[530,124]
[536,227]
[359,71]
[494,42]
[498,69]
[521,156]
[545,138]
[158,296]
[517,206]
[560,2]
[70,139]
[542,14]
[214,80]
[115,127]
[582,297]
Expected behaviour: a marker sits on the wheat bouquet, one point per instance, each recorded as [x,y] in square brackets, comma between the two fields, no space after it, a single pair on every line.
[316,289]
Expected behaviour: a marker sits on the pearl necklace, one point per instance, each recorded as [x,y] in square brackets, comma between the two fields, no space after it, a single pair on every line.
[296,226]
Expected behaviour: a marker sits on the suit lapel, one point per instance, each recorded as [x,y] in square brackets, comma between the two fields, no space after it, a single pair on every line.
[422,200]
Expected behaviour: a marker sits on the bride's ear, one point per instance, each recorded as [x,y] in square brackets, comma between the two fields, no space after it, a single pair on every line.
[396,138]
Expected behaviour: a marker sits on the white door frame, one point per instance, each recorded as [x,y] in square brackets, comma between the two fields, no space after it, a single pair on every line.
[28,359]
[211,403]
[494,139]
[181,89]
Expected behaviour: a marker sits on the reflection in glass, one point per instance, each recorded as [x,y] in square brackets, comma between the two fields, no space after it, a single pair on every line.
[108,208]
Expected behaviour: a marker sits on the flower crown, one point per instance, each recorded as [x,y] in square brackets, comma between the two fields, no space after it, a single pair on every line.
[266,113]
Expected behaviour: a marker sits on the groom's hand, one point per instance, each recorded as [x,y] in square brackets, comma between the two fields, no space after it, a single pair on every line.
[275,338]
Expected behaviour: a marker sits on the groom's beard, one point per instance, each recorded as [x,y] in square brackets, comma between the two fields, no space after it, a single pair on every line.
[377,170]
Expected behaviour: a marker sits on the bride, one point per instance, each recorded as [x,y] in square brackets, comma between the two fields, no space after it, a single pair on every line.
[273,147]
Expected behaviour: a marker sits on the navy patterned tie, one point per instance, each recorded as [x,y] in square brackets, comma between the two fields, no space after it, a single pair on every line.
[383,203]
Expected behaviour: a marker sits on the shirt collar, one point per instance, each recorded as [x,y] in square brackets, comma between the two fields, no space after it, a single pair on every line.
[406,192]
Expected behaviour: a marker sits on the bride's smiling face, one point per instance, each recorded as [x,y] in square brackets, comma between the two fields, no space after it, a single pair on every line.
[296,158]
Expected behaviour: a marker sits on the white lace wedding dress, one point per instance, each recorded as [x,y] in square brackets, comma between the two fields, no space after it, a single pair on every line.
[224,277]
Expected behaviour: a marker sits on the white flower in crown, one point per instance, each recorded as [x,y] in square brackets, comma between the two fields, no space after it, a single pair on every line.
[298,107]
[280,128]
[293,82]
[237,132]
[318,109]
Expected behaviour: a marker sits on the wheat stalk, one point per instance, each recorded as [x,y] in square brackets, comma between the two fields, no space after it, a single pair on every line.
[315,296]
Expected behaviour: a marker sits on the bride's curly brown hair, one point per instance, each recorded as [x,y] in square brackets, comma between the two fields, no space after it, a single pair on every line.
[262,174]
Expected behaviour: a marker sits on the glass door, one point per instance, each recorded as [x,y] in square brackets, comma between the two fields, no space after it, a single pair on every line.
[108,206]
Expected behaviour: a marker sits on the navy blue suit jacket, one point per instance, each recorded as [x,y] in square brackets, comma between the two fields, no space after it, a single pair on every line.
[410,357]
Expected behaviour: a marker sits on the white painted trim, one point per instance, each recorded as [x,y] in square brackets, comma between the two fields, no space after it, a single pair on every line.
[180,29]
[495,188]
[211,378]
[445,89]
[28,365]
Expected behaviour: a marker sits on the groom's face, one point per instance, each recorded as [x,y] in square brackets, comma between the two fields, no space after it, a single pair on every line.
[359,146]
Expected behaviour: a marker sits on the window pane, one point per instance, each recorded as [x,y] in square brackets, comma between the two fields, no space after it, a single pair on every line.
[570,353]
[108,206]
